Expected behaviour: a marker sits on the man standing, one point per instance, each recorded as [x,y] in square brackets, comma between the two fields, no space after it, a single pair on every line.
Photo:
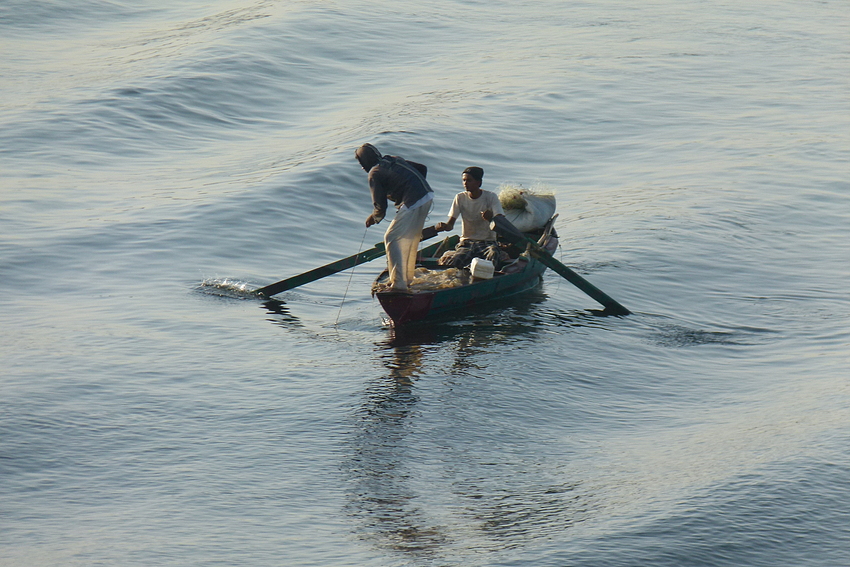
[476,207]
[392,177]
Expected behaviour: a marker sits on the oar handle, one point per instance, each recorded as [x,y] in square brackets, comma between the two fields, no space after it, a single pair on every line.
[429,232]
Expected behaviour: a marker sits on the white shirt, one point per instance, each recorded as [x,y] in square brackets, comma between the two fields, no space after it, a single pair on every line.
[429,196]
[469,210]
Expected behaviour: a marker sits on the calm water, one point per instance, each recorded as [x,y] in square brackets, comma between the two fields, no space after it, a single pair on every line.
[158,157]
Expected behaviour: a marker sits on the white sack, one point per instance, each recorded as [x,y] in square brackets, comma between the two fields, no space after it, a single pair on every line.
[526,210]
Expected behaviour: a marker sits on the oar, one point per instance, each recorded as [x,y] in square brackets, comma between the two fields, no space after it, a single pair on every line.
[511,233]
[329,269]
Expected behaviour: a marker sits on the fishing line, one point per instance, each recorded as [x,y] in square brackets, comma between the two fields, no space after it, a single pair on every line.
[359,249]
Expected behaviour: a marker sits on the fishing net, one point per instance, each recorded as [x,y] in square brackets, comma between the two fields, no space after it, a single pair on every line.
[429,280]
[526,209]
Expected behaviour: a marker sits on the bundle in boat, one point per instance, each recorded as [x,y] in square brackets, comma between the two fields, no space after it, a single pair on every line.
[430,280]
[526,209]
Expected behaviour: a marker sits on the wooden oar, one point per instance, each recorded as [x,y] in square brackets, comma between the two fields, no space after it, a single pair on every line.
[511,233]
[328,269]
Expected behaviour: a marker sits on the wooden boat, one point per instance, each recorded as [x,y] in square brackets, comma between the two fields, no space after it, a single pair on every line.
[530,254]
[426,302]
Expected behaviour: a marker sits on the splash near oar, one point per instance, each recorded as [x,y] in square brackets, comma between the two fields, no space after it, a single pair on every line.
[334,267]
[508,231]
[225,287]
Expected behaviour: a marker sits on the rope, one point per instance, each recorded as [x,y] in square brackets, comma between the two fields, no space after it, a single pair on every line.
[360,249]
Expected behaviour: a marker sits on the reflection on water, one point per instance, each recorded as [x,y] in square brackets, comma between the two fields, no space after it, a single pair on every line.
[432,475]
[281,314]
[516,505]
[486,324]
[382,500]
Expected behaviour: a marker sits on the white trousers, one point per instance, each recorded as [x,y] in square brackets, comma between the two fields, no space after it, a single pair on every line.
[402,244]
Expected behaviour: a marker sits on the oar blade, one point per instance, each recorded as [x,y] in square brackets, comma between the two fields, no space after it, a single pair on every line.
[511,233]
[612,307]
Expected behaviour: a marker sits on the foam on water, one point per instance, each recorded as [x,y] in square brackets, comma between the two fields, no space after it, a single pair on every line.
[226,287]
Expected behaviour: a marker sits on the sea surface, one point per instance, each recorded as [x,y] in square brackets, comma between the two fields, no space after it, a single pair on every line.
[160,160]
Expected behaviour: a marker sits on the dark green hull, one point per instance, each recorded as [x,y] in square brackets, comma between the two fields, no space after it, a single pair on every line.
[405,308]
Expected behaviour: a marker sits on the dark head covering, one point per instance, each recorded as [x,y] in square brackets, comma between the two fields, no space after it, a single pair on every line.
[368,156]
[475,172]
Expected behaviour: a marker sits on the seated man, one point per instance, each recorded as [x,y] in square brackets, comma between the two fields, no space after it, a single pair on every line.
[477,208]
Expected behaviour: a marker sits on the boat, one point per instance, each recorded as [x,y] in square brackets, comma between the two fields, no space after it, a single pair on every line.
[441,290]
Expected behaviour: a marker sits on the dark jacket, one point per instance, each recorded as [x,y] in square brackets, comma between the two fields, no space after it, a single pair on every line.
[397,179]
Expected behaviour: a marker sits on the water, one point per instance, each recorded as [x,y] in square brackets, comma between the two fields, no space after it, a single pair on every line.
[158,160]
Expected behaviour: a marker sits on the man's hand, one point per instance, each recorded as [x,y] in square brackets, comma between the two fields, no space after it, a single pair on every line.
[446,226]
[487,215]
[370,221]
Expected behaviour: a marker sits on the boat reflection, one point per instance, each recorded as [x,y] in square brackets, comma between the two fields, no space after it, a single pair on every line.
[487,325]
[381,499]
[413,483]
